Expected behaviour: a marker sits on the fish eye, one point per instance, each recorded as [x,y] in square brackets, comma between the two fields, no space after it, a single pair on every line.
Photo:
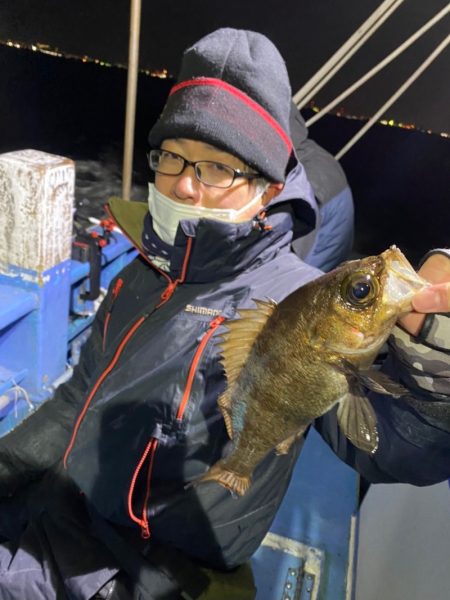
[360,289]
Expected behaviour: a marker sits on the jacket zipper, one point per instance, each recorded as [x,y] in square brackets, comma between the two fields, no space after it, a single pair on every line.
[115,293]
[165,296]
[142,521]
[194,364]
[99,381]
[150,450]
[151,447]
[171,283]
[171,286]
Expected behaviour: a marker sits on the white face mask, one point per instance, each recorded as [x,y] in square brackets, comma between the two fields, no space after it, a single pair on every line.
[167,213]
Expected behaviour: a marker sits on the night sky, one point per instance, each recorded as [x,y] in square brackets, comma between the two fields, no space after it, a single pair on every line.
[399,177]
[307,33]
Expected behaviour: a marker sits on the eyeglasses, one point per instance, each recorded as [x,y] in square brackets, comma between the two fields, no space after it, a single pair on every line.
[213,174]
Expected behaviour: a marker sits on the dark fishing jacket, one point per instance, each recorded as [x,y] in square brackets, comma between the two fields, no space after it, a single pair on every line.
[331,241]
[139,420]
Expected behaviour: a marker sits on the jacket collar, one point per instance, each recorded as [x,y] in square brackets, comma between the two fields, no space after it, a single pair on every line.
[221,250]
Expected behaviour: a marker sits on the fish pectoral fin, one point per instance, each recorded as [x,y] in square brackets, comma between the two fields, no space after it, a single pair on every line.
[224,403]
[358,421]
[377,381]
[284,446]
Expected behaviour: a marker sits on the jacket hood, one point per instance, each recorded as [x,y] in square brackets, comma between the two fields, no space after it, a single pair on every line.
[221,250]
[298,197]
[322,169]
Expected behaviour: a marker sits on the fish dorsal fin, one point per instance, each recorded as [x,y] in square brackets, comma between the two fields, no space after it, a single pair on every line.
[241,335]
[235,348]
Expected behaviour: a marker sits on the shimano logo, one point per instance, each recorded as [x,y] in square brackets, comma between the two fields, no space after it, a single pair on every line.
[202,310]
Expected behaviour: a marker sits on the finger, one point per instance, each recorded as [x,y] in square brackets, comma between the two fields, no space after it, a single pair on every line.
[435,298]
[436,268]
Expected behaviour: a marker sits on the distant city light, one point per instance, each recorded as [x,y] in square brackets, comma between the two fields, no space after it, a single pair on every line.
[341,112]
[164,74]
[46,49]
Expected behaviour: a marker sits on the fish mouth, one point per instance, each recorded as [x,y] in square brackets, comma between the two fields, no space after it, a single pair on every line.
[369,346]
[402,282]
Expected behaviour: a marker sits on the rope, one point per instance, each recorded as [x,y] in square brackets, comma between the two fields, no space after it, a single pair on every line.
[340,57]
[395,96]
[440,15]
[17,389]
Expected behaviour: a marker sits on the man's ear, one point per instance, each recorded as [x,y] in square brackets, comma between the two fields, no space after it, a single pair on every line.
[273,189]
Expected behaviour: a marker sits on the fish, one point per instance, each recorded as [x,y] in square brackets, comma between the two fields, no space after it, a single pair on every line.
[289,363]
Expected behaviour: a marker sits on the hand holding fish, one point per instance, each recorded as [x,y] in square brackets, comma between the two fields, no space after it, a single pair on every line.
[433,299]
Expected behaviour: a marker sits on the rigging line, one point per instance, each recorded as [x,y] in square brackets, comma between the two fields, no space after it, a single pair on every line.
[440,15]
[341,56]
[394,97]
[339,59]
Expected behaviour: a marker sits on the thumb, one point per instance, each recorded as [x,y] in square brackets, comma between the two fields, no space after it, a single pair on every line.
[435,298]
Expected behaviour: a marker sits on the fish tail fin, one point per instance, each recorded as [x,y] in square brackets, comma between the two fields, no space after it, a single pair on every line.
[238,484]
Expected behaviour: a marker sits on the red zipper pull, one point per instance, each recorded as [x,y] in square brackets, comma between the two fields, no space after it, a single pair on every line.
[167,293]
[216,322]
[145,532]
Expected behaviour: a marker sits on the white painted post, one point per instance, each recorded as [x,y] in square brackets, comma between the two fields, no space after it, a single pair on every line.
[36,214]
[36,210]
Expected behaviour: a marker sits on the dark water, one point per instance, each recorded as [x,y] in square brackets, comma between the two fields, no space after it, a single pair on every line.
[400,179]
[76,109]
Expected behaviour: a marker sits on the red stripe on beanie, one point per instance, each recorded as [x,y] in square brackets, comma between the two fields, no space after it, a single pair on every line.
[241,96]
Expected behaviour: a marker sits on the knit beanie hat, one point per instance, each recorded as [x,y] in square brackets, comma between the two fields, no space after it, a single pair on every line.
[233,92]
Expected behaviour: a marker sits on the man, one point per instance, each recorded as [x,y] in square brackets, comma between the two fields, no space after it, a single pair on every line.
[330,243]
[102,507]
